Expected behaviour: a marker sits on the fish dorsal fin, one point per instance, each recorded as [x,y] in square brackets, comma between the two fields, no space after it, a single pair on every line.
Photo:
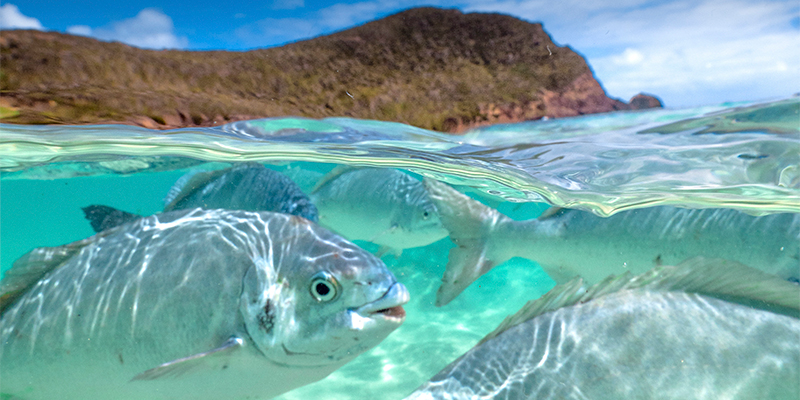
[104,217]
[726,280]
[184,365]
[564,295]
[722,279]
[32,266]
[188,184]
[331,175]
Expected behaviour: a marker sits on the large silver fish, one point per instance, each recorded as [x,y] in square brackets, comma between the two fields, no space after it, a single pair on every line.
[192,304]
[573,243]
[381,205]
[245,186]
[686,332]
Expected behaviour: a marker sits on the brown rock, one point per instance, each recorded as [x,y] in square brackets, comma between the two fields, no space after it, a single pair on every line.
[185,116]
[643,101]
[145,122]
[451,124]
[218,120]
[200,119]
[7,102]
[172,120]
[583,96]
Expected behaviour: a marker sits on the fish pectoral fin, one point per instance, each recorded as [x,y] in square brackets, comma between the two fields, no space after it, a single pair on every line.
[180,187]
[189,184]
[184,365]
[384,250]
[333,174]
[559,273]
[387,231]
[552,212]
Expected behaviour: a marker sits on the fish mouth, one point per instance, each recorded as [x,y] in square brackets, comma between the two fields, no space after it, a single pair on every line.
[389,306]
[396,312]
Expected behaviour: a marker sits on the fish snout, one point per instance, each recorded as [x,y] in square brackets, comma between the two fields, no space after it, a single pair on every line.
[389,306]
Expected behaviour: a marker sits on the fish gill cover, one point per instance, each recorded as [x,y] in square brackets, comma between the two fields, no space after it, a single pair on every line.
[742,156]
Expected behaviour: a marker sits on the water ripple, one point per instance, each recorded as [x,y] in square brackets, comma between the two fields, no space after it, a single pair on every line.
[744,156]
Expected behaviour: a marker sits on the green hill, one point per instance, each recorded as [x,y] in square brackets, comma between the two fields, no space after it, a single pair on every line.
[433,68]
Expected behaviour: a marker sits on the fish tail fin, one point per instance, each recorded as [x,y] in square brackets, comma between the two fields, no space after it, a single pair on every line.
[465,264]
[105,217]
[470,224]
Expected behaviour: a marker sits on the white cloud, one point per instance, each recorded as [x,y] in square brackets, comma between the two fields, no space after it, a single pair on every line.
[628,57]
[687,52]
[80,30]
[708,72]
[12,18]
[150,29]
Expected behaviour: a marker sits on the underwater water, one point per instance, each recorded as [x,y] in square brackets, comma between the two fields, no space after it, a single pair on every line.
[738,156]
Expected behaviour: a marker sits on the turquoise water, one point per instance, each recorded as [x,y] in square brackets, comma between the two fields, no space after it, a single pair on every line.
[741,156]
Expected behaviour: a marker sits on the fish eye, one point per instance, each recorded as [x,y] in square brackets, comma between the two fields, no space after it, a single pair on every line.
[425,215]
[324,287]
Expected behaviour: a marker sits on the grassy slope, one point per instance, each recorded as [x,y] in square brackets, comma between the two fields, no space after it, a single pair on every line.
[420,67]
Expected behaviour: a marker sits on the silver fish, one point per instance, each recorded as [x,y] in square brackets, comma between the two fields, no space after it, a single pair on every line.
[672,333]
[571,243]
[383,206]
[245,186]
[192,304]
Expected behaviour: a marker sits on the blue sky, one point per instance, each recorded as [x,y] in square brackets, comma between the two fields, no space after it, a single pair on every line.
[686,52]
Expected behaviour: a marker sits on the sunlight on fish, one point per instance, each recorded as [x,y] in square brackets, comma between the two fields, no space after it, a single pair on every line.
[685,332]
[192,304]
